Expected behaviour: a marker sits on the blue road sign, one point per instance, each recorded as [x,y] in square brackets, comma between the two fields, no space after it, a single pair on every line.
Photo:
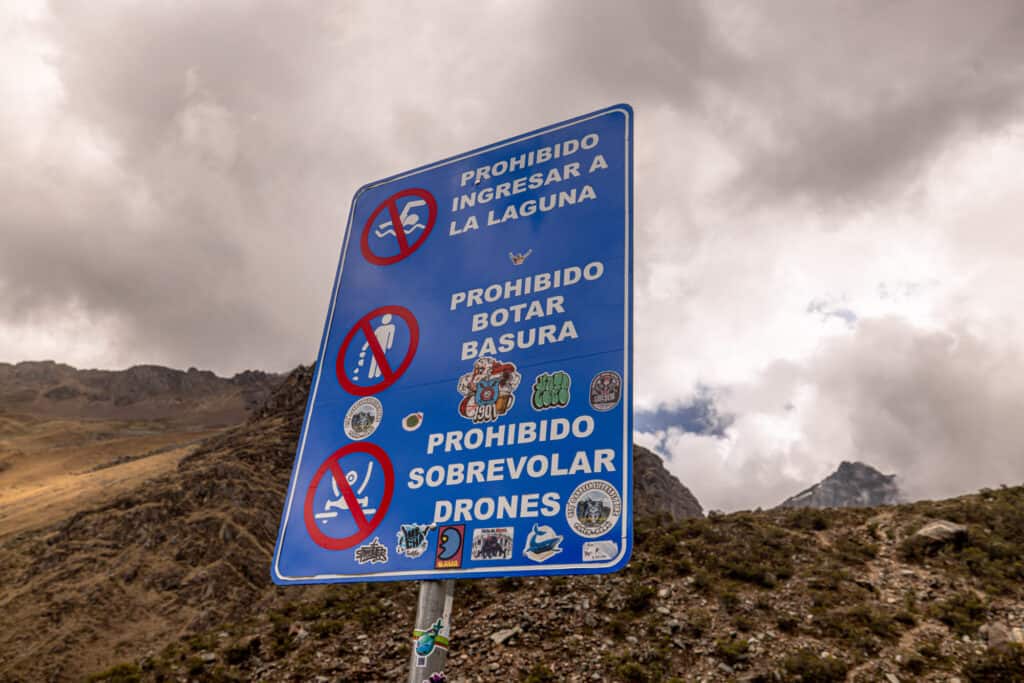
[471,409]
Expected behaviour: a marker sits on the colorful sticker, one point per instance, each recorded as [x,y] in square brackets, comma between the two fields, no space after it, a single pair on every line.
[605,390]
[429,639]
[600,551]
[550,390]
[363,417]
[373,552]
[488,390]
[542,543]
[492,543]
[412,421]
[413,539]
[450,541]
[593,508]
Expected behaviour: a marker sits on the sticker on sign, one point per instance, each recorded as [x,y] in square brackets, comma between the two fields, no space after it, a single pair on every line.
[471,410]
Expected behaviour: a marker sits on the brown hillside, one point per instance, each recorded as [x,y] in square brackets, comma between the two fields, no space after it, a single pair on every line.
[170,582]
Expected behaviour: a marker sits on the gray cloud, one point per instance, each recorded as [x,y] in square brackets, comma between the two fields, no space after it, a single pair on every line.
[856,99]
[176,180]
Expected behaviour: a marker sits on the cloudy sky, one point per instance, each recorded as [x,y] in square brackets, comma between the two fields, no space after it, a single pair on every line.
[829,249]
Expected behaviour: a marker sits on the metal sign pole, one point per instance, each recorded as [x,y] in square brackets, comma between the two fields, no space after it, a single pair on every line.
[431,630]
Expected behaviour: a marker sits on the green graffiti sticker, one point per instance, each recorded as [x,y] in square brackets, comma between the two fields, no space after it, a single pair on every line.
[551,390]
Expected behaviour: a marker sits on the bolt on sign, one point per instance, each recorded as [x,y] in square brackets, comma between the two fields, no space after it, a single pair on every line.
[471,410]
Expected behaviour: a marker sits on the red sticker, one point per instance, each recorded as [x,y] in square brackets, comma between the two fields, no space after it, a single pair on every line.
[379,365]
[350,502]
[402,223]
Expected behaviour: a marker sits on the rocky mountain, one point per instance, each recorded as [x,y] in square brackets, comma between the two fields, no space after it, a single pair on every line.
[659,492]
[170,583]
[143,392]
[853,485]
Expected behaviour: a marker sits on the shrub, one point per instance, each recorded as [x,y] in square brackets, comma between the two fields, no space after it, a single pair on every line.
[807,519]
[631,672]
[698,621]
[1003,663]
[121,673]
[963,613]
[807,667]
[540,673]
[239,652]
[639,597]
[732,651]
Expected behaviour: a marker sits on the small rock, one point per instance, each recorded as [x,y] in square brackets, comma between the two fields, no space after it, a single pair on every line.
[663,592]
[725,667]
[208,657]
[892,678]
[1000,634]
[503,636]
[632,640]
[664,610]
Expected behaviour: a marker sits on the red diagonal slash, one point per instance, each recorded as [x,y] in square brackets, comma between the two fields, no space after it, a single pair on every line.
[379,354]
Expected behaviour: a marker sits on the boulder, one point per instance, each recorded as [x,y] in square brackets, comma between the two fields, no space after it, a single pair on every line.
[941,532]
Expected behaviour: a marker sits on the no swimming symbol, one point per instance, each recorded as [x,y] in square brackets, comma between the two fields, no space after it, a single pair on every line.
[388,220]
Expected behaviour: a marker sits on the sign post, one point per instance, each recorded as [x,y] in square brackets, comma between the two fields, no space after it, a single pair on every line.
[432,630]
[471,411]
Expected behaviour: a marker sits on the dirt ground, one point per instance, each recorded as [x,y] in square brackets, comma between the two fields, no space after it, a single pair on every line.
[51,468]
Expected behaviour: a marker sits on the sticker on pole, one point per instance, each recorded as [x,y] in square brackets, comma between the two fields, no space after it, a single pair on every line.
[377,350]
[341,509]
[470,410]
[403,220]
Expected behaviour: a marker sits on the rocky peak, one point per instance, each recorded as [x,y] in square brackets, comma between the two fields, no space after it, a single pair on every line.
[853,484]
[657,492]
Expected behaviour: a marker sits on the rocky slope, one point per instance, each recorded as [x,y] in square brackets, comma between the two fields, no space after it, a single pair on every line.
[143,392]
[853,485]
[183,552]
[170,583]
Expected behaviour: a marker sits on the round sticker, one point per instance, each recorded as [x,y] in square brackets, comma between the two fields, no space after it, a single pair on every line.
[593,509]
[363,418]
[605,390]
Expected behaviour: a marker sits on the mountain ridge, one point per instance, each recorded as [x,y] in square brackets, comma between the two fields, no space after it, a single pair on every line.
[853,484]
[51,389]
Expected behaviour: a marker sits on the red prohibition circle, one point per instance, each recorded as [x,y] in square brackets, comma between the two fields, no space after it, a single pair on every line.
[366,526]
[405,248]
[388,375]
